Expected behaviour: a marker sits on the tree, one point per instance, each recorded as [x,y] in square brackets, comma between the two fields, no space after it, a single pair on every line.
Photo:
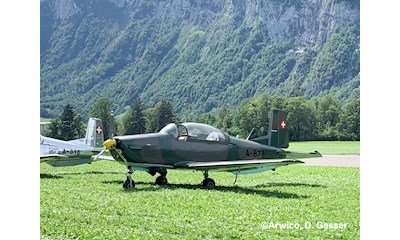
[165,114]
[102,109]
[255,113]
[54,130]
[78,128]
[349,121]
[210,119]
[301,119]
[125,122]
[279,102]
[134,121]
[159,116]
[246,117]
[67,127]
[328,111]
[67,117]
[224,121]
[152,121]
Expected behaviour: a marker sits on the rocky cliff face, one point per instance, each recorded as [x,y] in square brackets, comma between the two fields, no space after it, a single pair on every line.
[235,32]
[62,9]
[309,22]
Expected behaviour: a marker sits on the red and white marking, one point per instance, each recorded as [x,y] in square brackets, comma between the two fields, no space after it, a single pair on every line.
[99,129]
[283,124]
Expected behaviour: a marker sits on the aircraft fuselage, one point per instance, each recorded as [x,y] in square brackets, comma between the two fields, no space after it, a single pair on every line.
[160,148]
[63,153]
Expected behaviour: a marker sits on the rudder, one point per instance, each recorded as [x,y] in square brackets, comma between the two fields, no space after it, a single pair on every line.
[277,132]
[94,133]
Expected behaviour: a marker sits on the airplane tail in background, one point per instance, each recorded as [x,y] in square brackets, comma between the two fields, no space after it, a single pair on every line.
[277,132]
[94,133]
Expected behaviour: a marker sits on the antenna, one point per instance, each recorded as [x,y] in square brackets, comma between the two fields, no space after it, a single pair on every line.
[251,133]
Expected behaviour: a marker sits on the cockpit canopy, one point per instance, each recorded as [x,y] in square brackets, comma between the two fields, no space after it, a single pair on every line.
[194,131]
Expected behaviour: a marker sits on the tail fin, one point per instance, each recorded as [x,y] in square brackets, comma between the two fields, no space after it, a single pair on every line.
[94,133]
[277,133]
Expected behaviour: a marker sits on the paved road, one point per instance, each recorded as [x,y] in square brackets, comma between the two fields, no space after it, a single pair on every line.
[334,160]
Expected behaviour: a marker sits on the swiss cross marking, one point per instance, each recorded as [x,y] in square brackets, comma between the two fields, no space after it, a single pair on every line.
[99,130]
[283,124]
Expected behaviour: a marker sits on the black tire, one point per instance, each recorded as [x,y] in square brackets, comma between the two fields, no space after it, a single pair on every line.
[161,180]
[208,183]
[128,184]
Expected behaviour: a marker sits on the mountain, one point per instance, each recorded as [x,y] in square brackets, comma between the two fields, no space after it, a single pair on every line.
[197,54]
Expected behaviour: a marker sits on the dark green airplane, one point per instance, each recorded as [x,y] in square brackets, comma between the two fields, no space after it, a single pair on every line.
[197,146]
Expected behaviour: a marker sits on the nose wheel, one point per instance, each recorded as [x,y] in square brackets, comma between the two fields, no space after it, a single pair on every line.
[129,183]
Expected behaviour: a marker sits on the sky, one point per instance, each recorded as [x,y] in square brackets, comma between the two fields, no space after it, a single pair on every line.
[20,95]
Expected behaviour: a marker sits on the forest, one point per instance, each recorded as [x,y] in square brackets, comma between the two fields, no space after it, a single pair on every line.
[324,118]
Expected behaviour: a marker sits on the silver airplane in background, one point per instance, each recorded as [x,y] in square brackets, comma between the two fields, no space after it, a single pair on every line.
[59,153]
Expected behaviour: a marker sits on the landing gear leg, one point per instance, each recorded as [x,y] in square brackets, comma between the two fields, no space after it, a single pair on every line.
[162,179]
[129,183]
[207,182]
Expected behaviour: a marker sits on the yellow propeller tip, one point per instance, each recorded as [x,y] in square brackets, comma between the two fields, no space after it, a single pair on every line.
[109,143]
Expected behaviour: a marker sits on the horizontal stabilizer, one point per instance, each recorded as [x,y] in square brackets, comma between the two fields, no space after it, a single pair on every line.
[262,140]
[68,162]
[47,157]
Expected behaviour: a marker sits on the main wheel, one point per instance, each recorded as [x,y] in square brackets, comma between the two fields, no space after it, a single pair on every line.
[208,183]
[161,180]
[128,184]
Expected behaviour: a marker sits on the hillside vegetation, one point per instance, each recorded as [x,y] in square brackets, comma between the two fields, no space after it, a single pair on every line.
[198,55]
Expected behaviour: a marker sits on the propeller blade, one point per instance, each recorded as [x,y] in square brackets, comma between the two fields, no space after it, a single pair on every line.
[100,153]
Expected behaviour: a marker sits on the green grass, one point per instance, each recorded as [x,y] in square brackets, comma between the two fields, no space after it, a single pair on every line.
[327,147]
[42,119]
[88,202]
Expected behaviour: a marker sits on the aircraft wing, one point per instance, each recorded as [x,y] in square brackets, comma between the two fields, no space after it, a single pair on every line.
[239,166]
[250,166]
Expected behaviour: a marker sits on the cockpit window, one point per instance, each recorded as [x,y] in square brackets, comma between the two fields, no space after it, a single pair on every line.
[194,131]
[201,131]
[170,129]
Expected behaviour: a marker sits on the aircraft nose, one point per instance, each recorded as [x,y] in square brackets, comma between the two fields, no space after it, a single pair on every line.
[109,143]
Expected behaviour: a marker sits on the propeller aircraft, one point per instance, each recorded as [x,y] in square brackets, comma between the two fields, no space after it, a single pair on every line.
[59,153]
[197,146]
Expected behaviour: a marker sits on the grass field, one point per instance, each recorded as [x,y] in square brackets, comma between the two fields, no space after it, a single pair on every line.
[88,202]
[42,119]
[327,147]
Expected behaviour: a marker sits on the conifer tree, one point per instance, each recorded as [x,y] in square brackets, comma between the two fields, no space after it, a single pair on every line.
[67,118]
[135,123]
